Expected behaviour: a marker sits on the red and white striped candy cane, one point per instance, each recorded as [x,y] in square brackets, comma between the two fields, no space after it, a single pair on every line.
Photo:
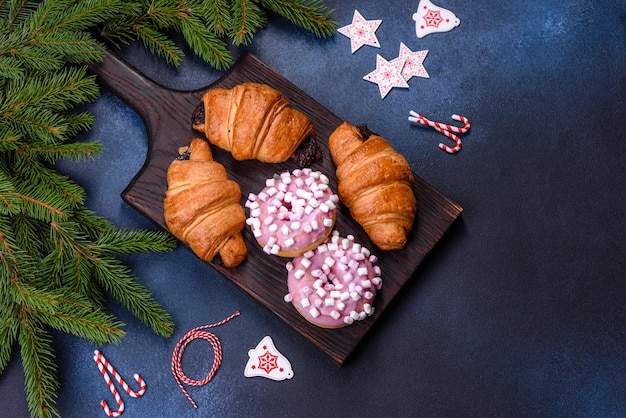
[177,356]
[444,129]
[105,368]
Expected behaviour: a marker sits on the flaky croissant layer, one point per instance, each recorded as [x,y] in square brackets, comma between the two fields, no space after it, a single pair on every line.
[376,183]
[252,121]
[202,207]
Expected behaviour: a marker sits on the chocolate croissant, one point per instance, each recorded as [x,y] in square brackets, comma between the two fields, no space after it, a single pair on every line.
[252,121]
[203,208]
[376,183]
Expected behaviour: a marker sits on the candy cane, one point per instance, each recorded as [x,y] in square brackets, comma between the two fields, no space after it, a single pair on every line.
[105,368]
[444,129]
[179,350]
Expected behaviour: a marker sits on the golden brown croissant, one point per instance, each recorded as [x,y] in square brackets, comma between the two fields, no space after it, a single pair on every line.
[252,121]
[202,206]
[376,183]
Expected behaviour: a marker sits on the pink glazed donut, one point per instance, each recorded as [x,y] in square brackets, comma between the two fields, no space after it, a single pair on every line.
[335,284]
[294,213]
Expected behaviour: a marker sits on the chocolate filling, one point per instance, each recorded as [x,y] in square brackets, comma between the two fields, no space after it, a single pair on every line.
[197,117]
[307,152]
[185,155]
[365,131]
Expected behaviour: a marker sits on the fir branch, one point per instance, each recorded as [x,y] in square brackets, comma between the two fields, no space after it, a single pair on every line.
[116,278]
[10,202]
[311,15]
[158,44]
[205,44]
[9,139]
[39,367]
[205,24]
[29,235]
[67,15]
[127,242]
[62,187]
[217,16]
[246,19]
[85,321]
[9,328]
[9,69]
[82,151]
[60,90]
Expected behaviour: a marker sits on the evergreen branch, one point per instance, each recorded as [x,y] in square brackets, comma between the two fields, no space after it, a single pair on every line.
[60,90]
[42,204]
[8,335]
[216,16]
[164,14]
[127,242]
[247,18]
[30,57]
[16,11]
[10,202]
[311,15]
[84,321]
[77,122]
[58,185]
[81,151]
[89,223]
[159,44]
[9,139]
[205,44]
[39,367]
[28,234]
[57,15]
[10,69]
[39,123]
[117,280]
[74,47]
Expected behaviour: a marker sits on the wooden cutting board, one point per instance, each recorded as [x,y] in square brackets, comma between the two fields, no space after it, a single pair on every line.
[167,115]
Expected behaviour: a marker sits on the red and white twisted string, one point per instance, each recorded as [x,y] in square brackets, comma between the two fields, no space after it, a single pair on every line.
[105,368]
[444,129]
[179,350]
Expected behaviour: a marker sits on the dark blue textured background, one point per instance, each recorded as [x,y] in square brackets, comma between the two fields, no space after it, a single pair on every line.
[519,311]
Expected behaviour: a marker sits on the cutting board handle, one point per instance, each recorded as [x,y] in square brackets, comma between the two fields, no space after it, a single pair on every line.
[152,101]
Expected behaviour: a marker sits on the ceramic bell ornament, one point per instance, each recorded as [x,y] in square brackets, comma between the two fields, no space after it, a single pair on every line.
[430,18]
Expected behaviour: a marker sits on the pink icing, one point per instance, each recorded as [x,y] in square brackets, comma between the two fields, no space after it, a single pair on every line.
[335,284]
[293,210]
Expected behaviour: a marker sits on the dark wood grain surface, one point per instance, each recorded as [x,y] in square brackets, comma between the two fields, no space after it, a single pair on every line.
[167,114]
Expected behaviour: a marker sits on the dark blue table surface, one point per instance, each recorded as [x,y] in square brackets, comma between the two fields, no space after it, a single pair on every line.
[520,310]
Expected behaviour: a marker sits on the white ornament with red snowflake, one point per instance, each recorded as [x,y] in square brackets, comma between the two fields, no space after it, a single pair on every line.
[361,32]
[430,18]
[413,62]
[266,361]
[388,74]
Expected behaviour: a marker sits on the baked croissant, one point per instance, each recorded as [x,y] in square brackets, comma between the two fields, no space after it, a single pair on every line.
[202,206]
[376,183]
[252,121]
